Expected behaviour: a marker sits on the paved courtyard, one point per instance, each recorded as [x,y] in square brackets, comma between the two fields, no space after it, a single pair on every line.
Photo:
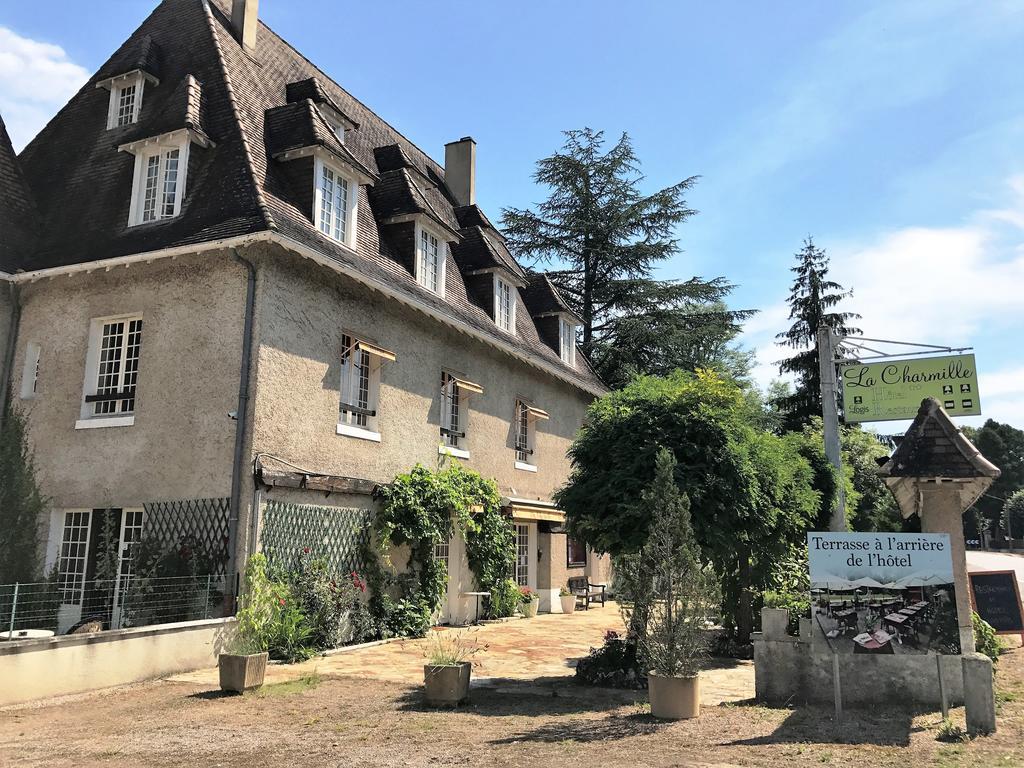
[541,651]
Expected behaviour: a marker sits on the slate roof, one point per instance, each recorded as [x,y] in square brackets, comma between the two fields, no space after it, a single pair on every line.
[934,449]
[17,213]
[252,105]
[139,52]
[542,298]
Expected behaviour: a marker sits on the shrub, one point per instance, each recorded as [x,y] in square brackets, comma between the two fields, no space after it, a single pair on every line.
[986,640]
[797,603]
[257,608]
[328,601]
[613,665]
[505,599]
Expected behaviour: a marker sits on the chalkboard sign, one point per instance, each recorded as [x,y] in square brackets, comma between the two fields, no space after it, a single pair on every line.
[996,598]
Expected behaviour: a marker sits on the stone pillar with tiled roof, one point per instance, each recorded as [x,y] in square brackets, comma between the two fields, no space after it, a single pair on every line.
[937,473]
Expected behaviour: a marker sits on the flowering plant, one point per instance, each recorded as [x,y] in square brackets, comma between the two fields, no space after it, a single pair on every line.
[527,595]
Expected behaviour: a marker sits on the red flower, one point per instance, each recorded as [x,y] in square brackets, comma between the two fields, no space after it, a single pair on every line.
[305,550]
[281,601]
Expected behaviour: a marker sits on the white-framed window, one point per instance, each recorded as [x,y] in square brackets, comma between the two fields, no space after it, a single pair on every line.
[335,201]
[73,555]
[430,261]
[504,305]
[452,424]
[160,173]
[111,372]
[524,437]
[125,100]
[360,388]
[337,127]
[567,341]
[30,371]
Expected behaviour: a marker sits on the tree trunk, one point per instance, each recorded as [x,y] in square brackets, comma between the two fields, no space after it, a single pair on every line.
[745,615]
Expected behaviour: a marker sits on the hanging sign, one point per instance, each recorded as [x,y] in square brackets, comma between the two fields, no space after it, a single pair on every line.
[893,390]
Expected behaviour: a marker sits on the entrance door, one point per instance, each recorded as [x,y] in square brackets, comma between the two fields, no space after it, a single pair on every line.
[72,560]
[131,535]
[442,553]
[526,555]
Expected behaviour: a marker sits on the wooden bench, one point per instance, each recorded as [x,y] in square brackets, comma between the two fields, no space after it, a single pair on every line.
[581,587]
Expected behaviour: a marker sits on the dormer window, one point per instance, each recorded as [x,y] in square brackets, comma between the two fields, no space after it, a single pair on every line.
[504,305]
[125,98]
[430,261]
[567,341]
[334,205]
[159,188]
[337,127]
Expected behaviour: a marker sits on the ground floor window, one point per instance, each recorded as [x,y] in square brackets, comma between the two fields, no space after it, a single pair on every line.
[441,552]
[74,555]
[523,555]
[577,552]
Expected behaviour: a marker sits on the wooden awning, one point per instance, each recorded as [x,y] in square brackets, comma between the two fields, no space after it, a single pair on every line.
[536,413]
[373,349]
[467,386]
[533,510]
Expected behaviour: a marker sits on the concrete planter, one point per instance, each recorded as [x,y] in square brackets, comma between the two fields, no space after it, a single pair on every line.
[446,685]
[240,673]
[529,609]
[568,603]
[674,698]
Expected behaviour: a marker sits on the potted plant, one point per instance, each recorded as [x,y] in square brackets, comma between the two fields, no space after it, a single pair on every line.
[567,599]
[529,602]
[447,671]
[682,595]
[245,665]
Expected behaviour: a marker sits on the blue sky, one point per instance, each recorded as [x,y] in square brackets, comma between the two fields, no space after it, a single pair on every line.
[892,132]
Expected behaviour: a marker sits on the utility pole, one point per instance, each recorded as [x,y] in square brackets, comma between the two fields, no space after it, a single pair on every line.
[827,343]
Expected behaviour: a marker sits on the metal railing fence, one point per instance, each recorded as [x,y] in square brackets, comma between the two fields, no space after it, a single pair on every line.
[133,601]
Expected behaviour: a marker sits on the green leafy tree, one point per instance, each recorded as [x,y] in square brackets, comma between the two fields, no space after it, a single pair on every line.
[1013,514]
[604,236]
[751,493]
[22,504]
[812,302]
[1003,445]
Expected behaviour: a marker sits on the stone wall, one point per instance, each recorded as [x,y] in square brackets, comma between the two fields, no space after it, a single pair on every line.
[798,670]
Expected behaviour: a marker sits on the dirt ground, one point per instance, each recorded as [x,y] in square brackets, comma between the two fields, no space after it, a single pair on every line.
[322,720]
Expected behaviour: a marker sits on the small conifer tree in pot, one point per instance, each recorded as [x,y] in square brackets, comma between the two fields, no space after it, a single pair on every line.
[682,594]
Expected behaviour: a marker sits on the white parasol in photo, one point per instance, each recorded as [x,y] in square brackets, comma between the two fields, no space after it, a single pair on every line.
[834,583]
[867,581]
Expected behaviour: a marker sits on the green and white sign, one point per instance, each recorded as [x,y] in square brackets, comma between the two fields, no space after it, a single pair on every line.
[893,390]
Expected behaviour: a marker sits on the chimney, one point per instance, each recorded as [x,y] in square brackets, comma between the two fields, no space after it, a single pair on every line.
[460,170]
[245,17]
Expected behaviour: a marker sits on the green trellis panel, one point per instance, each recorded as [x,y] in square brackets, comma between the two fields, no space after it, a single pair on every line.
[338,534]
[206,520]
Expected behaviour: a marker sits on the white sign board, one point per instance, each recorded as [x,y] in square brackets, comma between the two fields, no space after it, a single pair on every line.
[882,593]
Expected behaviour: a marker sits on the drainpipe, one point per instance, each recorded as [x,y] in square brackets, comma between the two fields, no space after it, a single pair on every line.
[12,342]
[241,415]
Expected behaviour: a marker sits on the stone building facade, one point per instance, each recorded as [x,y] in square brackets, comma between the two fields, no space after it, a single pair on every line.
[253,300]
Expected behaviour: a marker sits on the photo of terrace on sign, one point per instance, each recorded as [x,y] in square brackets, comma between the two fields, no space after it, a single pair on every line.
[883,593]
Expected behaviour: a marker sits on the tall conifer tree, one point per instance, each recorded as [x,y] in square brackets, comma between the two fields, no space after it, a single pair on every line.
[812,301]
[604,237]
[22,506]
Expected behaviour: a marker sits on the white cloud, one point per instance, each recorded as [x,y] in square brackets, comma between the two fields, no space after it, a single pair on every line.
[36,79]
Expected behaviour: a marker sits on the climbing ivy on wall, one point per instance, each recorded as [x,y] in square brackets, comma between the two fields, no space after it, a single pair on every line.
[421,509]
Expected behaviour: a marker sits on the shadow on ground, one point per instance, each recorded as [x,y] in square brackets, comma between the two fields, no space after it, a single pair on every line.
[611,728]
[542,696]
[887,726]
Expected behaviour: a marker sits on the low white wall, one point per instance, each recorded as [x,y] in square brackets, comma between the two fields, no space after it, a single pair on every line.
[37,669]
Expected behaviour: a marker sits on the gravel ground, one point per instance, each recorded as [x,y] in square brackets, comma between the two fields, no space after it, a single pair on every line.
[342,721]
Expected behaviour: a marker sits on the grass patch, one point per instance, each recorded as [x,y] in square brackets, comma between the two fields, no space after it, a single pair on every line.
[949,757]
[951,732]
[289,687]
